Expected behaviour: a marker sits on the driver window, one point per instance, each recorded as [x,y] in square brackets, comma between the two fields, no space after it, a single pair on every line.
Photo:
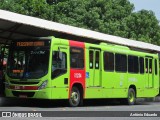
[59,63]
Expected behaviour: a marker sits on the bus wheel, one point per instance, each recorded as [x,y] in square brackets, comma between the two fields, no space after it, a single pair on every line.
[74,99]
[131,97]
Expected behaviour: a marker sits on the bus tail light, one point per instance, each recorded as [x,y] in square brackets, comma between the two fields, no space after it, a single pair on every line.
[43,85]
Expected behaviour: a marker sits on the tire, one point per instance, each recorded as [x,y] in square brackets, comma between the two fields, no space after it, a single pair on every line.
[131,97]
[75,97]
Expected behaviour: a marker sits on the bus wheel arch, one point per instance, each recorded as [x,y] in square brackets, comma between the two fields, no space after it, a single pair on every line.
[132,93]
[76,95]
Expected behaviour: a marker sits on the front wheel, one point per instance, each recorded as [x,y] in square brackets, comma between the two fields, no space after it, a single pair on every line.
[131,97]
[74,99]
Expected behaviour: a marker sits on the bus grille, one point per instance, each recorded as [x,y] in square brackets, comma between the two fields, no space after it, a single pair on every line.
[28,94]
[25,83]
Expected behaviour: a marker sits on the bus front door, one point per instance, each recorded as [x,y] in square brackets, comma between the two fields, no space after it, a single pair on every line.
[149,72]
[94,58]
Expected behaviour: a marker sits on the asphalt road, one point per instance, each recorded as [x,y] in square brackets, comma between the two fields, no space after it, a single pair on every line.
[92,109]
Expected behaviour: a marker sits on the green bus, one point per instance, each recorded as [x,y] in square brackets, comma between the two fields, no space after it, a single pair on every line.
[55,68]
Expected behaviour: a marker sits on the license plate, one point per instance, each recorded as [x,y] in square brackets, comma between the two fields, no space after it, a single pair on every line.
[23,96]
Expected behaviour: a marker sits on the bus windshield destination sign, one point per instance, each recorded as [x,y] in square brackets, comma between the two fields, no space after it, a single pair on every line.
[30,44]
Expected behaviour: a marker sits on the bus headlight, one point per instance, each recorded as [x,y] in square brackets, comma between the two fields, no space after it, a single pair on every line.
[43,85]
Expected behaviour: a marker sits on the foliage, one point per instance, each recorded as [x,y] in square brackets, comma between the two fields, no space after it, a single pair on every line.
[143,26]
[115,17]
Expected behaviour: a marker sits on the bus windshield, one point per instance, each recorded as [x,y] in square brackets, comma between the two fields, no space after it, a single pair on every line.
[28,62]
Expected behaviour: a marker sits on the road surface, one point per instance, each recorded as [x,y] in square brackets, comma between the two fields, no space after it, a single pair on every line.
[92,109]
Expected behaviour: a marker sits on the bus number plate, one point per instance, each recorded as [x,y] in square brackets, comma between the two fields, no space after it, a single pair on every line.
[23,96]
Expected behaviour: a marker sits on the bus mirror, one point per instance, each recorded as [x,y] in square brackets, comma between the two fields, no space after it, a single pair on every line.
[59,54]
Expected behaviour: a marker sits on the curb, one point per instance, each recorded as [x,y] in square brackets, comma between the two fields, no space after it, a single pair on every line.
[155,99]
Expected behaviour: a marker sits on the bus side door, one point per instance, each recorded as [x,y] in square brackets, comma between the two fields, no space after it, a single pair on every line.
[95,66]
[60,72]
[149,72]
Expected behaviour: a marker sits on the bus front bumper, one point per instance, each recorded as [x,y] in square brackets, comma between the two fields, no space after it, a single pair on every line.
[38,94]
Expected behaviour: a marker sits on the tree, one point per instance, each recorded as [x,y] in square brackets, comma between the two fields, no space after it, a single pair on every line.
[36,8]
[51,2]
[100,15]
[143,26]
[115,17]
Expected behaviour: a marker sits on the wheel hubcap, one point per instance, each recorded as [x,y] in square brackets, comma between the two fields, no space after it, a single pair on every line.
[74,97]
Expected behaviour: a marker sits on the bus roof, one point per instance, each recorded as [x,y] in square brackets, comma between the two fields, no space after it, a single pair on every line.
[16,26]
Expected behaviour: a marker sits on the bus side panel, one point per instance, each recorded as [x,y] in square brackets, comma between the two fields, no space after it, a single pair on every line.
[77,76]
[138,81]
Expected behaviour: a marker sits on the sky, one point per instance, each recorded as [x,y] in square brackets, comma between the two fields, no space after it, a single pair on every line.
[153,5]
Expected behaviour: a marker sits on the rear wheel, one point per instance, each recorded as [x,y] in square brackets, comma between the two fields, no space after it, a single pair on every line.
[75,97]
[131,97]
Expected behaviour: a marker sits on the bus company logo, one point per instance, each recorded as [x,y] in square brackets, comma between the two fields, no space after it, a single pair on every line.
[6,114]
[77,75]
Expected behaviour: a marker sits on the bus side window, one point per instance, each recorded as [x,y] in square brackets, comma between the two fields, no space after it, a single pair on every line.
[141,62]
[133,64]
[155,67]
[146,68]
[150,65]
[77,58]
[120,62]
[97,60]
[108,61]
[59,63]
[91,59]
